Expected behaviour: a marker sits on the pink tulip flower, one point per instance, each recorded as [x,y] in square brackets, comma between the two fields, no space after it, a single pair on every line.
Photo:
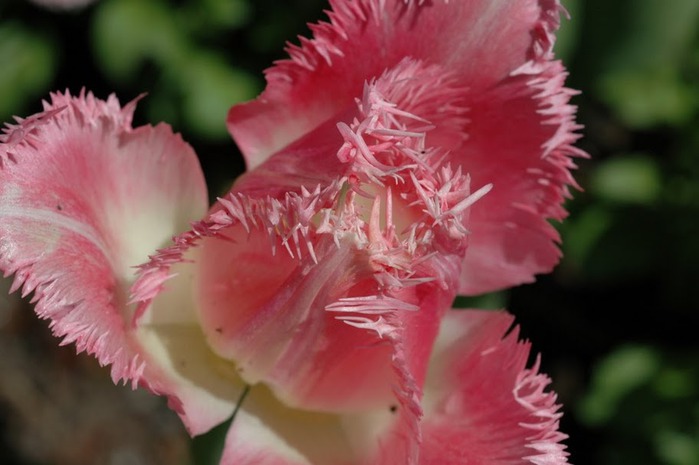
[409,152]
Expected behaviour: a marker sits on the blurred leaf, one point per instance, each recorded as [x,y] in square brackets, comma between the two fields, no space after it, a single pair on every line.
[569,32]
[674,383]
[128,32]
[611,245]
[490,301]
[628,403]
[641,58]
[212,16]
[582,233]
[633,178]
[28,67]
[614,378]
[676,448]
[643,99]
[209,87]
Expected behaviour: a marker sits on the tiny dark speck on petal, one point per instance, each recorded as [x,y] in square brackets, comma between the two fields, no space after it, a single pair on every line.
[219,330]
[393,408]
[59,207]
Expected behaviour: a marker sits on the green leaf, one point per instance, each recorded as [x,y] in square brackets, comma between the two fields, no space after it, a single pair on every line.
[210,87]
[28,67]
[644,59]
[646,98]
[207,449]
[632,178]
[490,301]
[624,370]
[126,33]
[213,16]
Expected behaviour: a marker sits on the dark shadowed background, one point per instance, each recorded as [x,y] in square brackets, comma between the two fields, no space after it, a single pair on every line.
[617,322]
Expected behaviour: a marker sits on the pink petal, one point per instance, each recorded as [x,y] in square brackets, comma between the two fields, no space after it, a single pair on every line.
[295,283]
[483,41]
[268,432]
[310,320]
[517,137]
[528,161]
[482,405]
[83,199]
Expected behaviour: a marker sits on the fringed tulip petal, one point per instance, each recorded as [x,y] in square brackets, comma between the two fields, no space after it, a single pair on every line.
[483,41]
[510,124]
[300,305]
[296,281]
[483,406]
[528,160]
[84,198]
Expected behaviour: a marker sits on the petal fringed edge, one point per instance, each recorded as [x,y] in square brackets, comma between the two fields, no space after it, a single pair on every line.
[84,198]
[482,404]
[522,142]
[482,41]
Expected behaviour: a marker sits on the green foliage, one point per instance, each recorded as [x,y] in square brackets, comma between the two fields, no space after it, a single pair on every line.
[647,399]
[633,178]
[197,84]
[208,86]
[28,66]
[641,50]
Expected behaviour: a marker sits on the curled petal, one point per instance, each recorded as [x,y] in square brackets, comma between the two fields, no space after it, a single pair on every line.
[482,404]
[84,198]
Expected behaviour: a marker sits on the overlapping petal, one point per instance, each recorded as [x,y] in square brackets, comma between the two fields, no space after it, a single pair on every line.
[482,405]
[295,282]
[269,432]
[84,198]
[518,129]
[409,152]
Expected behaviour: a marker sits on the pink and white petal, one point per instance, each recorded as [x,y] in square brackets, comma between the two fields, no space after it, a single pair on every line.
[83,199]
[308,320]
[483,41]
[482,404]
[268,432]
[521,142]
[271,316]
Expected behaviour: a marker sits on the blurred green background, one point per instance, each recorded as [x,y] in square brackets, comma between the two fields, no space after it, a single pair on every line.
[616,322]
